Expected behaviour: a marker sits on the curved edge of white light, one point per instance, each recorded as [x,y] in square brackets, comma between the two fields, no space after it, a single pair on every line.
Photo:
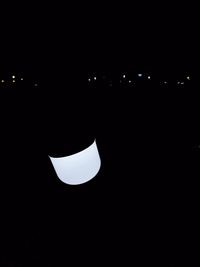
[78,168]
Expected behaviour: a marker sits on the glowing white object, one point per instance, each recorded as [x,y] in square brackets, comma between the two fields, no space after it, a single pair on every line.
[78,168]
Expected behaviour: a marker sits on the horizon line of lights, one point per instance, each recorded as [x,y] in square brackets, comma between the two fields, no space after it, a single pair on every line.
[123,78]
[140,75]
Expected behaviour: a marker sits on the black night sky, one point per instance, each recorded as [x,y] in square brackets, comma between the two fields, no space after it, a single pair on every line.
[129,78]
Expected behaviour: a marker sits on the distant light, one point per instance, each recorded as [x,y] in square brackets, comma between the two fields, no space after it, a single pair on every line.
[165,82]
[95,78]
[13,76]
[188,78]
[149,77]
[124,76]
[35,84]
[178,82]
[3,81]
[139,74]
[129,81]
[120,81]
[89,80]
[182,83]
[22,79]
[13,81]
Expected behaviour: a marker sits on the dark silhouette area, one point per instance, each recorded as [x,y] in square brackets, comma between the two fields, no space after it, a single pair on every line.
[147,135]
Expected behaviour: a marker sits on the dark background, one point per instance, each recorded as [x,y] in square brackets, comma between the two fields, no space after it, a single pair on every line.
[142,206]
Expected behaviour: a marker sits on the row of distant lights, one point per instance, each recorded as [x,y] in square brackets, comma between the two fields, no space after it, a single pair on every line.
[14,80]
[140,75]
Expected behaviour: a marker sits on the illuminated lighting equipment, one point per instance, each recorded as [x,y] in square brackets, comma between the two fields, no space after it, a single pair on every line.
[3,81]
[95,78]
[188,78]
[22,79]
[78,168]
[124,76]
[149,77]
[139,74]
[13,76]
[13,81]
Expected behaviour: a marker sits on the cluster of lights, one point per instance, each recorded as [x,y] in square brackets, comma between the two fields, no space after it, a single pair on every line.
[13,79]
[125,78]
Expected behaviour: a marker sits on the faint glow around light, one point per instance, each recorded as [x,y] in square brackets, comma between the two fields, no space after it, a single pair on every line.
[95,78]
[149,77]
[22,79]
[165,82]
[139,74]
[129,81]
[78,168]
[13,76]
[182,83]
[124,76]
[89,80]
[3,81]
[178,82]
[188,78]
[35,84]
[13,81]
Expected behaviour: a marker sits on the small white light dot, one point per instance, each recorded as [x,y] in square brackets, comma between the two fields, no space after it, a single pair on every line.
[124,76]
[36,84]
[129,81]
[149,77]
[13,76]
[165,82]
[139,74]
[188,78]
[178,82]
[13,81]
[2,81]
[182,83]
[22,79]
[89,80]
[95,78]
